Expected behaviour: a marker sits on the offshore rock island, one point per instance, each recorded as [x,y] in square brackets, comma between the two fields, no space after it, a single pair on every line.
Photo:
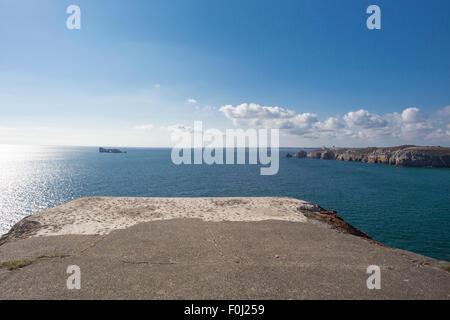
[206,248]
[406,155]
[106,150]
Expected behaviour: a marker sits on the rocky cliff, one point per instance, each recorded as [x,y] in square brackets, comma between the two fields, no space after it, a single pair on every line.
[408,156]
[300,154]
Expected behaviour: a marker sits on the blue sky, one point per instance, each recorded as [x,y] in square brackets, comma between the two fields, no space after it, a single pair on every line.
[136,69]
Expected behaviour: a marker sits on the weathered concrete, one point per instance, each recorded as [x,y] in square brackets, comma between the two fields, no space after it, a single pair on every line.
[190,258]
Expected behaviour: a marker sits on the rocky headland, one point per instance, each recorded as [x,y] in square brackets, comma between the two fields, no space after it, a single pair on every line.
[298,154]
[406,155]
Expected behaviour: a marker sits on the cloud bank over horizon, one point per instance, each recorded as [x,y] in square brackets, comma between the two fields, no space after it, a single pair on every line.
[359,126]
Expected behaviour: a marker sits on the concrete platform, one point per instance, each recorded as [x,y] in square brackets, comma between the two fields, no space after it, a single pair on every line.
[194,258]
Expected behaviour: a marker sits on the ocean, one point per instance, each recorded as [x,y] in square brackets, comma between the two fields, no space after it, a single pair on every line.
[407,208]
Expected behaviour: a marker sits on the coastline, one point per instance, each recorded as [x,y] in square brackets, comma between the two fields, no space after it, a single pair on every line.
[280,248]
[406,156]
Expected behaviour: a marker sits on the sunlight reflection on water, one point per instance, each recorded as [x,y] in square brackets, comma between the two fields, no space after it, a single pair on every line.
[28,181]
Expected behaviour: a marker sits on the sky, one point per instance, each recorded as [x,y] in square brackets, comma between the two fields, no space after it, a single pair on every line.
[137,70]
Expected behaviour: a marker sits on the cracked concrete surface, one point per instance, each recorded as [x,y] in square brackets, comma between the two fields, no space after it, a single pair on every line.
[187,258]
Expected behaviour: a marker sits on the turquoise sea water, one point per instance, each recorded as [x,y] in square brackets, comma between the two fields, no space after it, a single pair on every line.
[407,208]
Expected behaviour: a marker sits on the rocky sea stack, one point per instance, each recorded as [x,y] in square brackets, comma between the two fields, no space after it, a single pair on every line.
[407,155]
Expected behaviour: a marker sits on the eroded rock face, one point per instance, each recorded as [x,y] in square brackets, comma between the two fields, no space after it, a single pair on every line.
[408,156]
[316,212]
[315,154]
[300,154]
[327,155]
[22,229]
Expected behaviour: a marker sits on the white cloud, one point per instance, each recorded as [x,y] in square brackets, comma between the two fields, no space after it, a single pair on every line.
[409,126]
[157,86]
[204,108]
[177,127]
[332,123]
[411,115]
[364,119]
[191,101]
[252,110]
[444,112]
[144,127]
[255,115]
